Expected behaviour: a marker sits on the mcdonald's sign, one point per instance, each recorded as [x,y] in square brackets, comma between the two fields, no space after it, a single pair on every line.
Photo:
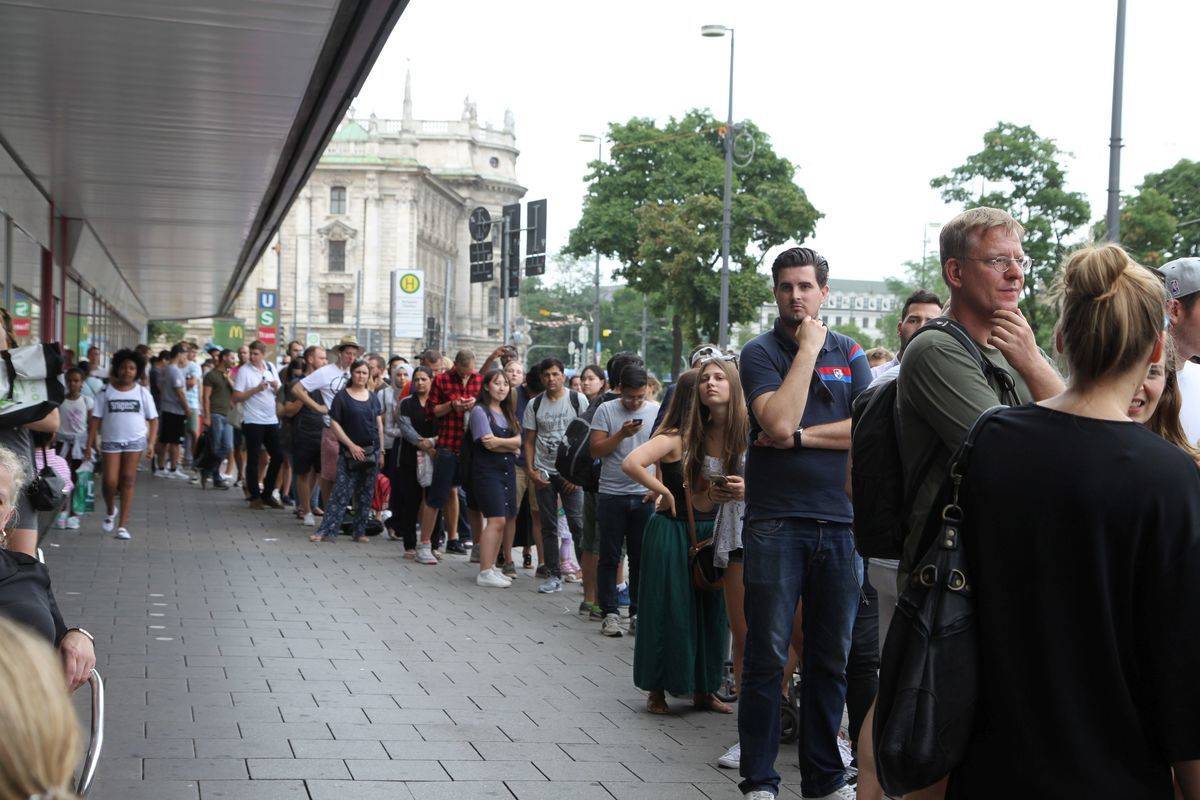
[229,334]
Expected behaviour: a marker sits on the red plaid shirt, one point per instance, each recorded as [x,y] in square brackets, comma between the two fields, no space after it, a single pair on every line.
[446,387]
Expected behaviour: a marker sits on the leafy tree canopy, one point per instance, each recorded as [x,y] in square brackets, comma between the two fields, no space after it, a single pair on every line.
[1162,221]
[655,206]
[1019,171]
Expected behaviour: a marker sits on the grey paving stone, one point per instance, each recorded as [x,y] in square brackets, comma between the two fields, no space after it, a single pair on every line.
[348,748]
[520,751]
[558,790]
[474,790]
[358,790]
[373,770]
[397,733]
[303,769]
[430,751]
[676,773]
[193,768]
[243,748]
[329,715]
[492,770]
[253,790]
[285,730]
[461,733]
[655,791]
[110,789]
[567,770]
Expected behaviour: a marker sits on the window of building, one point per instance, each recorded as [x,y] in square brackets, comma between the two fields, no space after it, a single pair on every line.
[493,302]
[858,302]
[337,309]
[337,256]
[837,320]
[873,303]
[337,200]
[865,323]
[495,162]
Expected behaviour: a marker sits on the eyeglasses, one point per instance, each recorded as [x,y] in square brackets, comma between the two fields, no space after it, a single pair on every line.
[1000,263]
[709,353]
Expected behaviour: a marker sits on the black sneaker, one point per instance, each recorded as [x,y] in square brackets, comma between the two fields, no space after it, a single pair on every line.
[542,572]
[219,484]
[456,547]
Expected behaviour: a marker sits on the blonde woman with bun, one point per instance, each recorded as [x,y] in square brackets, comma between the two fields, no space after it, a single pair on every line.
[39,734]
[1082,537]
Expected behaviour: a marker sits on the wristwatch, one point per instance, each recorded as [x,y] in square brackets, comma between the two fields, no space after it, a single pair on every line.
[798,438]
[88,634]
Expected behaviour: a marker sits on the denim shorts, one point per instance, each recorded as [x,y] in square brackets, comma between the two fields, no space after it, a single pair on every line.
[133,446]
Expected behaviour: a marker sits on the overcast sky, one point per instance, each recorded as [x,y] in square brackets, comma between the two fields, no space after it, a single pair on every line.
[869,100]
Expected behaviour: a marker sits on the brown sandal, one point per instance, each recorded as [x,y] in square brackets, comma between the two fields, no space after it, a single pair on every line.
[316,537]
[657,705]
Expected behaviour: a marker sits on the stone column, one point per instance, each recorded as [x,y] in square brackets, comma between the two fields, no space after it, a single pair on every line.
[373,301]
[304,245]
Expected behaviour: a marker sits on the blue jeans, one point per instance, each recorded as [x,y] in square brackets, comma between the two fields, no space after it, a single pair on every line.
[620,520]
[786,561]
[222,441]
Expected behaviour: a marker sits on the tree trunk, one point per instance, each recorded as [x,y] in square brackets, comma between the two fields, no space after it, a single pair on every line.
[676,344]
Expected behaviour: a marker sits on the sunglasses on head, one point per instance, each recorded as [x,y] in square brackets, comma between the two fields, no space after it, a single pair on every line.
[708,354]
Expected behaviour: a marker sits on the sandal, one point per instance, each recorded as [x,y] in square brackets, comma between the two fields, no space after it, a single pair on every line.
[709,702]
[316,537]
[527,562]
[362,539]
[657,705]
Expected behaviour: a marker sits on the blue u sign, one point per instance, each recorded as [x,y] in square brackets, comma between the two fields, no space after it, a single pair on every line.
[266,298]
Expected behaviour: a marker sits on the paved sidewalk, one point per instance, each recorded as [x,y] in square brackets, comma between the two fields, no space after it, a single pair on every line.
[244,662]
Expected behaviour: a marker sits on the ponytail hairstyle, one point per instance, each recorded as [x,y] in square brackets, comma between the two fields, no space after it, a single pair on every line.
[734,438]
[1165,419]
[1112,311]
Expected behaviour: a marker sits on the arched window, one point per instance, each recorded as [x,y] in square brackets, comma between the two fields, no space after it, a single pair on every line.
[337,200]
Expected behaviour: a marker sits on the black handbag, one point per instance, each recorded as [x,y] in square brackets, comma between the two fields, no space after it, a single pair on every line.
[929,670]
[369,459]
[47,491]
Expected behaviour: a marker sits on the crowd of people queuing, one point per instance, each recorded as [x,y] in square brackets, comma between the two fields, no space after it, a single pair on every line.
[715,521]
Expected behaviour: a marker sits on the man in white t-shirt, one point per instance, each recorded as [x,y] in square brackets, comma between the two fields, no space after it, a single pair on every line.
[1183,313]
[327,382]
[255,388]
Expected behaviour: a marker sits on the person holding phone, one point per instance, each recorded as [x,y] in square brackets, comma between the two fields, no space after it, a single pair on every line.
[622,506]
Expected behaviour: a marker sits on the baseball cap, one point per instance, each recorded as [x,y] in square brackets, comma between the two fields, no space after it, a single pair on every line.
[1182,276]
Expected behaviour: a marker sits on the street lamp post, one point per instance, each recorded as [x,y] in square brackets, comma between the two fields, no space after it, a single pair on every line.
[723,330]
[599,140]
[1113,217]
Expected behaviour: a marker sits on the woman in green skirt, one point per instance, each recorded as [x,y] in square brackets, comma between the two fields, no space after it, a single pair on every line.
[683,632]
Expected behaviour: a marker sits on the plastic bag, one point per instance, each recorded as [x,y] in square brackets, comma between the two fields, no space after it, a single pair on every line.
[424,469]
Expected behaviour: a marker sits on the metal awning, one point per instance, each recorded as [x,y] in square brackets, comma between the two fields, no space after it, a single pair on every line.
[180,132]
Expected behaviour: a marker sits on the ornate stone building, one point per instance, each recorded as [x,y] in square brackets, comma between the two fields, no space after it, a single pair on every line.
[392,194]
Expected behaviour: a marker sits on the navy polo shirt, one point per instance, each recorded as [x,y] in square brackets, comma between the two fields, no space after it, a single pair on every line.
[801,482]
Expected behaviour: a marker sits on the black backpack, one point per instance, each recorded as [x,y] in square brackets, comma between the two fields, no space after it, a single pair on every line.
[882,499]
[573,461]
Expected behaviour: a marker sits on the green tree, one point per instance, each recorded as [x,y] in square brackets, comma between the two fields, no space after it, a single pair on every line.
[165,329]
[622,317]
[655,206]
[916,276]
[865,340]
[1019,171]
[1162,221]
[556,310]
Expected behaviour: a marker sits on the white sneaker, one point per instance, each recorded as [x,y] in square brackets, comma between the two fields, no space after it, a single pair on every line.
[732,758]
[310,520]
[611,625]
[162,473]
[758,794]
[123,533]
[550,586]
[60,521]
[491,580]
[385,515]
[499,574]
[179,475]
[72,523]
[108,523]
[425,555]
[844,792]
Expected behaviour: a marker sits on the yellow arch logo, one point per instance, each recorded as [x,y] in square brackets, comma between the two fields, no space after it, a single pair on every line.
[409,283]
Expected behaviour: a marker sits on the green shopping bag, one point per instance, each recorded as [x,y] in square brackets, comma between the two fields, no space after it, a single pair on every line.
[83,500]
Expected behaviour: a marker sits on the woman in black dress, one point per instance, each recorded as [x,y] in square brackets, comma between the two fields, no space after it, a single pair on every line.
[418,432]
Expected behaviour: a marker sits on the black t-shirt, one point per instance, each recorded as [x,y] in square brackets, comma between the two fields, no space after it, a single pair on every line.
[1083,537]
[357,417]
